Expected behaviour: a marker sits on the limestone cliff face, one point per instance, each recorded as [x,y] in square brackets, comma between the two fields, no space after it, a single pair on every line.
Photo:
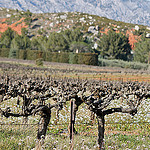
[132,11]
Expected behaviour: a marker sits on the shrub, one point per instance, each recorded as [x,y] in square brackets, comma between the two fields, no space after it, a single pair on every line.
[122,64]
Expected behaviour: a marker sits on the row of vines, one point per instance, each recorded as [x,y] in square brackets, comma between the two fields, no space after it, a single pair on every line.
[36,91]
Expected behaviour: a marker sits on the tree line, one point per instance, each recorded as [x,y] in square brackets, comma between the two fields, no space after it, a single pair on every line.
[110,46]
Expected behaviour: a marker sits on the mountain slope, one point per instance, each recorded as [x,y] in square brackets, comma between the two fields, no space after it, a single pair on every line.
[132,11]
[43,24]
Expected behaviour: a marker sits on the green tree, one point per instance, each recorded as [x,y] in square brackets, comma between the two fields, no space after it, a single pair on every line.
[28,13]
[114,46]
[35,44]
[28,18]
[13,53]
[73,35]
[142,50]
[57,42]
[7,37]
[14,44]
[24,32]
[9,32]
[5,42]
[26,41]
[80,47]
[20,42]
[42,40]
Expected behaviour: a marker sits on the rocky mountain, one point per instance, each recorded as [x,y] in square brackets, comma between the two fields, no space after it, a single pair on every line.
[131,11]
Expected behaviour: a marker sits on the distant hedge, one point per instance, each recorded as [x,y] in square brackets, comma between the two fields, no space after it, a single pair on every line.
[83,58]
[32,54]
[62,57]
[22,54]
[73,58]
[4,52]
[90,59]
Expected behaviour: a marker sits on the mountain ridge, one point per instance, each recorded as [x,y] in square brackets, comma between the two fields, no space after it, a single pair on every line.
[130,11]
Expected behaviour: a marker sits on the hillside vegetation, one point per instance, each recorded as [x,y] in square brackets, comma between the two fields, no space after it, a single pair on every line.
[72,32]
[57,22]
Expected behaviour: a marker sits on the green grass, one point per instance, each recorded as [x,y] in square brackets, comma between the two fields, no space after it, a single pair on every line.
[117,136]
[119,142]
[19,138]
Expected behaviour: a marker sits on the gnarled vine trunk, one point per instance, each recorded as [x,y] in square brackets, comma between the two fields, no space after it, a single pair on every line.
[101,129]
[43,123]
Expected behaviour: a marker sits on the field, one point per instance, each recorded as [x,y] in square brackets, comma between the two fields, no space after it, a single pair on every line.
[122,130]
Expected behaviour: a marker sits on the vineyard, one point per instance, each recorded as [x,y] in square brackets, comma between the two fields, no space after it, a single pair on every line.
[109,107]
